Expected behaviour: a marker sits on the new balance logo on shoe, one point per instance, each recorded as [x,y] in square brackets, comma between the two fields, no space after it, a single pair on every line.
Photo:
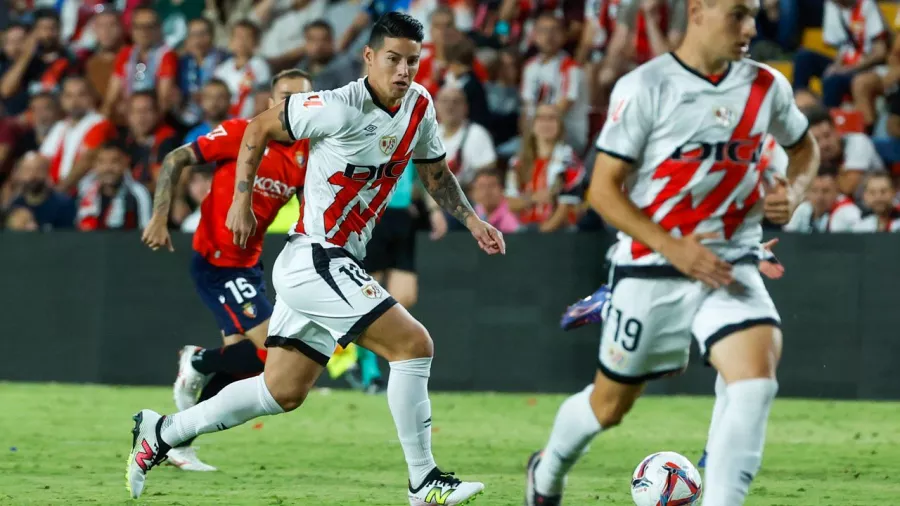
[145,457]
[438,496]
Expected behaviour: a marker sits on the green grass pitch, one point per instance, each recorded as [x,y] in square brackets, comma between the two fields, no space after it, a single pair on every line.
[66,445]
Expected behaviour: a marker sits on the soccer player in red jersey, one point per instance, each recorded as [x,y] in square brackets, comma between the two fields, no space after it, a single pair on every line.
[227,277]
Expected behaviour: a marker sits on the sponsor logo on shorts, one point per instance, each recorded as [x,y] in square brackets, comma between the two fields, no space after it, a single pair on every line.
[372,291]
[388,143]
[616,357]
[250,310]
[221,299]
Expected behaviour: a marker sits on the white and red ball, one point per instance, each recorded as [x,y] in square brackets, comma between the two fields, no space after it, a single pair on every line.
[666,479]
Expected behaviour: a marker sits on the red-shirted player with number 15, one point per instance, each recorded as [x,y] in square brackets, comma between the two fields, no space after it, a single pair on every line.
[361,137]
[229,278]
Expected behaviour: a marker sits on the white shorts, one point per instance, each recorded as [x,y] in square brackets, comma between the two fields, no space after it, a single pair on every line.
[323,298]
[654,312]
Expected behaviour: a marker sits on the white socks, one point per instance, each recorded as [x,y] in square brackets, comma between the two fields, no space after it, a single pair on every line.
[407,396]
[237,403]
[736,444]
[574,428]
[718,407]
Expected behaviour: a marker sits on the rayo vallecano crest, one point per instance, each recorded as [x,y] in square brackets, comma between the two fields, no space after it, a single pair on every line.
[388,143]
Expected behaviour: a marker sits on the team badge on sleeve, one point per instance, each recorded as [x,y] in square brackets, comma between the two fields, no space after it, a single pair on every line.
[372,291]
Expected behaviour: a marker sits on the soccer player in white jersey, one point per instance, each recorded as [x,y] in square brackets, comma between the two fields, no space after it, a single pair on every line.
[361,138]
[677,174]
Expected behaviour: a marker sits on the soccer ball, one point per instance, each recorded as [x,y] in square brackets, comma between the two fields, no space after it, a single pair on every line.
[665,479]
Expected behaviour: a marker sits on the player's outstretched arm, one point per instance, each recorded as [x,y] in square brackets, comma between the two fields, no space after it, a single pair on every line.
[605,195]
[156,235]
[803,164]
[444,188]
[268,126]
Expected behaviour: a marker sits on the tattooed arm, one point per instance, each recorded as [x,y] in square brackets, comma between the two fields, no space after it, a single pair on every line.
[268,126]
[444,188]
[169,174]
[156,235]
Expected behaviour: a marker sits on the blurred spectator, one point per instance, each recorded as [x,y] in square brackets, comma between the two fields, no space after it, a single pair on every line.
[147,65]
[20,219]
[99,67]
[490,203]
[50,209]
[433,65]
[328,69]
[244,71]
[261,100]
[70,143]
[371,11]
[282,42]
[857,30]
[869,85]
[45,112]
[16,139]
[503,97]
[544,185]
[881,214]
[849,156]
[215,102]
[777,31]
[14,40]
[553,77]
[825,209]
[460,60]
[198,187]
[468,145]
[517,19]
[196,67]
[40,66]
[175,16]
[147,140]
[112,200]
[76,21]
[643,29]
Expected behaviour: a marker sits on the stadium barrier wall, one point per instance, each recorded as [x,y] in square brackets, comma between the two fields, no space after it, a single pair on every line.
[102,308]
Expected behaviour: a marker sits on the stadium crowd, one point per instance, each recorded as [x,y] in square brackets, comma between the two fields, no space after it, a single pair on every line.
[94,94]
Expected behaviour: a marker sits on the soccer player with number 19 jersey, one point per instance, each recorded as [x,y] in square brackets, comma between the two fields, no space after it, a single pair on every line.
[361,136]
[678,175]
[227,277]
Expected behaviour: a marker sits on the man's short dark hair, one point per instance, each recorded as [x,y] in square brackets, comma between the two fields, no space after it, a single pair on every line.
[215,81]
[319,23]
[250,25]
[827,171]
[209,24]
[45,94]
[817,114]
[115,144]
[879,175]
[144,93]
[395,25]
[462,52]
[494,173]
[18,24]
[46,13]
[289,74]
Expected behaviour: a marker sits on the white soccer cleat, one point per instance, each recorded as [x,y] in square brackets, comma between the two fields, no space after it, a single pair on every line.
[189,382]
[186,459]
[444,489]
[147,450]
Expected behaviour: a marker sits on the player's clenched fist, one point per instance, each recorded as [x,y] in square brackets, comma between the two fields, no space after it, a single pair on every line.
[693,259]
[156,235]
[776,205]
[489,238]
[241,221]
